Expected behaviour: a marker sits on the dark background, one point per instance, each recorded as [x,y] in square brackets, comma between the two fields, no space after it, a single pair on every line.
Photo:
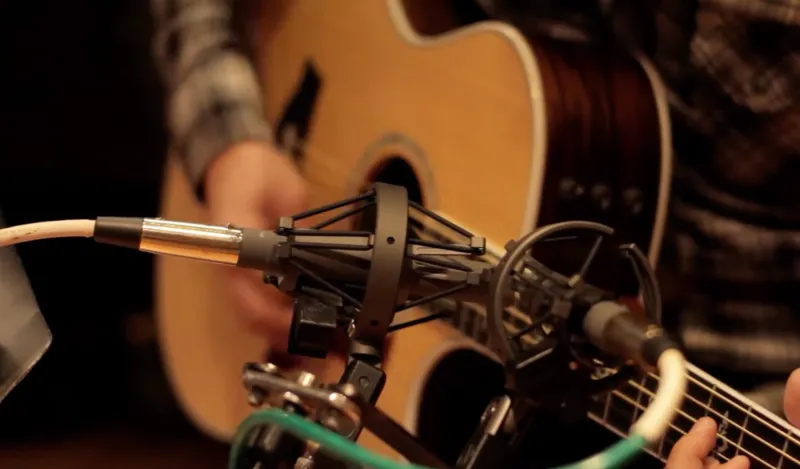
[82,134]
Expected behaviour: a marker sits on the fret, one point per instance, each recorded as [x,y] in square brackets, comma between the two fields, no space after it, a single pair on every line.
[763,442]
[784,449]
[697,400]
[607,406]
[619,412]
[681,425]
[650,387]
[660,449]
[744,430]
[619,418]
[641,392]
[674,433]
[790,459]
[710,395]
[730,419]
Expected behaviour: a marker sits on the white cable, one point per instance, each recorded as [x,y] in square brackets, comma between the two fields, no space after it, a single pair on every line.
[46,230]
[655,421]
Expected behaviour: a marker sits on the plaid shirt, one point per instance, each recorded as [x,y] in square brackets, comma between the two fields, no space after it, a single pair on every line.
[734,237]
[214,96]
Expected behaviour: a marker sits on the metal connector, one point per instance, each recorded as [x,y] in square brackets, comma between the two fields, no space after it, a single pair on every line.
[210,243]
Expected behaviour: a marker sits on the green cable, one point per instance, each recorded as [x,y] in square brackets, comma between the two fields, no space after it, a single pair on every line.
[308,430]
[614,457]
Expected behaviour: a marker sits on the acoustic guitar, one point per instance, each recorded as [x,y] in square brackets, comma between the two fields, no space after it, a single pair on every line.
[493,130]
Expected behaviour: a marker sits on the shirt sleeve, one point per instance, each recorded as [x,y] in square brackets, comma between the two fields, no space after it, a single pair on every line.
[213,97]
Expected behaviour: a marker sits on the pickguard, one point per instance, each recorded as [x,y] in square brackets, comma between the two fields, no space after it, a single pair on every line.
[294,125]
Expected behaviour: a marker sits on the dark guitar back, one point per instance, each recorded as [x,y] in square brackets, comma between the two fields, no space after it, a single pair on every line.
[604,147]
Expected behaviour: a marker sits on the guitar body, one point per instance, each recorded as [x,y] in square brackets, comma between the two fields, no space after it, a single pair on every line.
[475,121]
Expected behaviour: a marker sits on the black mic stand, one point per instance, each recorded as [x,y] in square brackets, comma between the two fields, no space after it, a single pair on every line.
[359,279]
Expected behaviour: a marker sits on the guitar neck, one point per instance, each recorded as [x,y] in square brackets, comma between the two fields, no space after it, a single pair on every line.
[743,426]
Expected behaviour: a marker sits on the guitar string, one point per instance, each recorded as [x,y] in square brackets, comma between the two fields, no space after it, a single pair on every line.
[677,429]
[682,432]
[735,424]
[693,419]
[780,431]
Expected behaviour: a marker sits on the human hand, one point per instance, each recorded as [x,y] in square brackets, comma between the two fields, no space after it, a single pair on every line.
[693,449]
[791,399]
[252,185]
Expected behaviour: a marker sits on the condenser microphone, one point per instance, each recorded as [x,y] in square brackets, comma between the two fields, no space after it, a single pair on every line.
[372,274]
[581,338]
[360,278]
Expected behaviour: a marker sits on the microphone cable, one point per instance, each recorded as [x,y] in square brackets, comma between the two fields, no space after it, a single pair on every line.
[46,230]
[648,429]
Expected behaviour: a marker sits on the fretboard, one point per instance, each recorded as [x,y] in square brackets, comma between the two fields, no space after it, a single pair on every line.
[743,426]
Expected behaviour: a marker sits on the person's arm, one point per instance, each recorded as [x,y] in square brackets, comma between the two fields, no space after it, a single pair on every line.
[213,95]
[218,129]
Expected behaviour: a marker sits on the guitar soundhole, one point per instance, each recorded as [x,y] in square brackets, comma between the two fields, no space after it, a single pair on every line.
[396,171]
[455,394]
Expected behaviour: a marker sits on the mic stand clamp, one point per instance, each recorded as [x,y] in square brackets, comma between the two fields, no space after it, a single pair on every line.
[340,408]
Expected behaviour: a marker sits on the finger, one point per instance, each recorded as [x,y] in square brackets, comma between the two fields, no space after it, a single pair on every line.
[291,199]
[738,462]
[286,192]
[791,399]
[691,451]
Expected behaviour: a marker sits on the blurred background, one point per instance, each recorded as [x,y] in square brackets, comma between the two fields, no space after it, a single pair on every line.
[82,134]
